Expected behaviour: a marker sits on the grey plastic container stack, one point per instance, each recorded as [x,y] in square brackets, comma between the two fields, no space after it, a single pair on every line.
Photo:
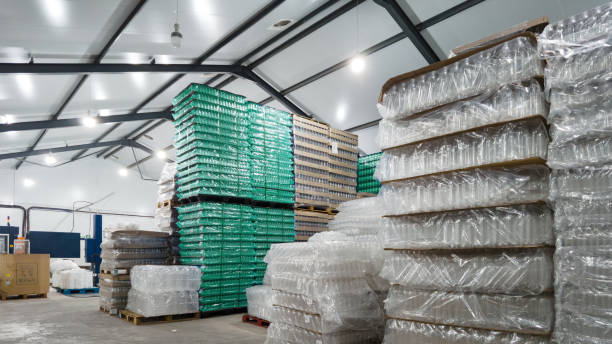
[466,231]
[579,81]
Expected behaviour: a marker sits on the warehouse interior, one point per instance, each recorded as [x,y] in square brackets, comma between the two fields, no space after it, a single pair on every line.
[305,171]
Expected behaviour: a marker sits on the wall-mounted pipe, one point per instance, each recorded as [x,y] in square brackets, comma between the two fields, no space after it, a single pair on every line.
[66,210]
[24,221]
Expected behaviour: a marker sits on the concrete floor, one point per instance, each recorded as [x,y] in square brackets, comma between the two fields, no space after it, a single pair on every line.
[67,320]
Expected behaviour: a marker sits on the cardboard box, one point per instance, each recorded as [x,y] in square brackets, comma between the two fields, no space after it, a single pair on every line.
[24,274]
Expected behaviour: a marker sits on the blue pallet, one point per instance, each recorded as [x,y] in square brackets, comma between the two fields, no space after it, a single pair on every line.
[77,291]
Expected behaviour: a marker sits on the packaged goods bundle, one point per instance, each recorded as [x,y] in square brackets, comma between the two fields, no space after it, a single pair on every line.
[271,226]
[309,223]
[75,279]
[123,250]
[321,293]
[343,156]
[259,299]
[211,142]
[312,162]
[165,217]
[579,84]
[465,223]
[271,154]
[220,238]
[365,173]
[56,266]
[163,290]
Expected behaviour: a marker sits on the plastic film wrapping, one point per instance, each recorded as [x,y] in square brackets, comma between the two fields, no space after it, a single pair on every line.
[480,187]
[571,122]
[165,278]
[583,288]
[594,183]
[296,302]
[282,333]
[409,332]
[576,34]
[135,239]
[524,272]
[134,253]
[106,282]
[75,279]
[508,142]
[115,293]
[509,102]
[583,222]
[167,174]
[260,300]
[164,303]
[525,314]
[314,288]
[321,259]
[109,264]
[512,61]
[591,150]
[595,63]
[515,226]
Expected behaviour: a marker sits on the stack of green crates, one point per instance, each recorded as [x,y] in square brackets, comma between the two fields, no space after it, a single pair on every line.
[271,154]
[211,143]
[220,237]
[365,173]
[271,226]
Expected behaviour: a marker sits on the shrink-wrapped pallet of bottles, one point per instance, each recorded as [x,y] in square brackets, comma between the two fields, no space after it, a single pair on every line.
[365,173]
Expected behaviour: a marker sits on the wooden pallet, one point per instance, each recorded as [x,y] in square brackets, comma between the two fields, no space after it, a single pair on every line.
[138,319]
[78,291]
[255,321]
[315,208]
[4,297]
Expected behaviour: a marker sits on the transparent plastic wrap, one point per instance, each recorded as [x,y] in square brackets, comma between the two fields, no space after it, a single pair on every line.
[526,139]
[525,314]
[593,183]
[109,264]
[321,259]
[583,317]
[282,333]
[509,102]
[134,253]
[592,120]
[108,282]
[576,34]
[111,302]
[583,151]
[583,222]
[166,303]
[135,242]
[313,288]
[260,299]
[115,292]
[480,187]
[56,266]
[167,174]
[582,65]
[515,272]
[515,226]
[296,302]
[108,231]
[587,269]
[360,217]
[410,332]
[580,95]
[75,279]
[156,278]
[511,61]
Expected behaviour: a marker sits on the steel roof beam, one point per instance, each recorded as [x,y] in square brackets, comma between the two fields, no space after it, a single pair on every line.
[76,122]
[208,53]
[400,17]
[92,68]
[75,88]
[34,152]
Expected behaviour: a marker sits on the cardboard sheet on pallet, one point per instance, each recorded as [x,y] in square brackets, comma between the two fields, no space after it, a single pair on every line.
[343,173]
[342,181]
[343,164]
[298,144]
[343,136]
[312,214]
[308,182]
[313,174]
[534,25]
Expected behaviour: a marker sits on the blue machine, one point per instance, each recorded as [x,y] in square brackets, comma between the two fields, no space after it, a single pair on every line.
[93,249]
[56,244]
[13,233]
